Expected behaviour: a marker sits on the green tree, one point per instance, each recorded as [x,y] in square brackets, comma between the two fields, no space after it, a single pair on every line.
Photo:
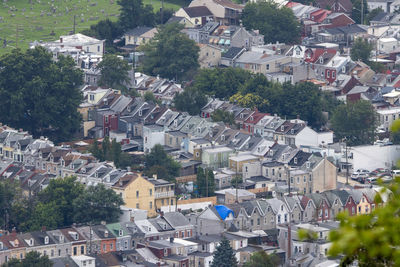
[97,204]
[32,259]
[262,259]
[7,197]
[224,116]
[205,189]
[250,100]
[224,255]
[166,15]
[395,132]
[133,14]
[356,11]
[115,152]
[105,147]
[274,22]
[355,121]
[191,100]
[57,199]
[370,239]
[221,82]
[372,14]
[361,50]
[96,151]
[114,72]
[171,54]
[160,163]
[149,97]
[104,30]
[39,94]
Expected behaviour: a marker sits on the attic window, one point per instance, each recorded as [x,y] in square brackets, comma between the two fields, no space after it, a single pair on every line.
[321,60]
[251,118]
[120,232]
[295,160]
[271,152]
[222,137]
[241,115]
[282,128]
[308,164]
[140,113]
[292,131]
[46,240]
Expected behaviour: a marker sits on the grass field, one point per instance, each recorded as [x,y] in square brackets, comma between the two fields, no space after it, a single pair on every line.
[23,21]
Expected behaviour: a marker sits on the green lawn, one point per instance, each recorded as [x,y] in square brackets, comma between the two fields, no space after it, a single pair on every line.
[23,21]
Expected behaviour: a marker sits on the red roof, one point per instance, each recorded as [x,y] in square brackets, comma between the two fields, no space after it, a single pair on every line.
[255,117]
[291,4]
[318,52]
[397,85]
[320,15]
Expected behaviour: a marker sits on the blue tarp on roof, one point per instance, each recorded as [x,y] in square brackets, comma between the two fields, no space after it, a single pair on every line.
[223,211]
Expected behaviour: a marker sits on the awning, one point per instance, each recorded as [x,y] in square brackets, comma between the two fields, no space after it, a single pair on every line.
[228,42]
[221,42]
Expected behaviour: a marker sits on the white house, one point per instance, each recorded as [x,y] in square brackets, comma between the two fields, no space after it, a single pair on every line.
[387,117]
[371,157]
[309,137]
[152,135]
[280,210]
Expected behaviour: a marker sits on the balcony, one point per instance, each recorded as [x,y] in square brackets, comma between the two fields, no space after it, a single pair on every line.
[164,194]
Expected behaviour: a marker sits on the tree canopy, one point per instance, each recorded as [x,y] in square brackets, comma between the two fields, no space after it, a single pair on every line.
[224,255]
[255,91]
[32,259]
[160,163]
[356,11]
[114,72]
[224,116]
[370,239]
[104,30]
[274,22]
[205,182]
[171,54]
[395,132]
[190,100]
[361,50]
[134,13]
[262,259]
[39,94]
[355,121]
[110,151]
[63,202]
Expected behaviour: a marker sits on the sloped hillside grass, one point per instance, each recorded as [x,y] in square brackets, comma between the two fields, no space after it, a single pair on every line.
[23,21]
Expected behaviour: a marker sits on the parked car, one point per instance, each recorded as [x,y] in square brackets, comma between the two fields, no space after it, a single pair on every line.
[379,171]
[359,171]
[395,173]
[372,179]
[362,178]
[358,176]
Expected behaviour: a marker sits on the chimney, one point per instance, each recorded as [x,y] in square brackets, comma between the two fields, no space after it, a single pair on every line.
[13,232]
[155,176]
[61,40]
[43,228]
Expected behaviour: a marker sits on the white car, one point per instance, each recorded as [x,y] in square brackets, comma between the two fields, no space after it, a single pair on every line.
[361,171]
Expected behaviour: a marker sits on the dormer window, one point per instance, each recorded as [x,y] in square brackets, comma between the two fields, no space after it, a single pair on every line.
[46,240]
[308,164]
[271,152]
[295,160]
[120,232]
[105,233]
[76,237]
[241,115]
[61,238]
[222,137]
[62,163]
[176,123]
[31,242]
[198,130]
[321,60]
[140,113]
[292,131]
[251,118]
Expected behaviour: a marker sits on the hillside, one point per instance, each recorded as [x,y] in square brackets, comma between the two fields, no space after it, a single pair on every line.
[23,21]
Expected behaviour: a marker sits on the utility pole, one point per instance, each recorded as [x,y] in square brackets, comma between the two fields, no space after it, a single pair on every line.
[74,24]
[347,164]
[362,12]
[206,182]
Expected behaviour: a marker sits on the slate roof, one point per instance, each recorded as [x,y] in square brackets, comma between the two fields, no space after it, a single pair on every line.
[176,219]
[197,11]
[233,52]
[138,30]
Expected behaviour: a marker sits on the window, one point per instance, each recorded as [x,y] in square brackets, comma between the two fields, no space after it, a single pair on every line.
[82,250]
[304,178]
[106,119]
[333,74]
[258,221]
[251,222]
[137,205]
[267,66]
[359,209]
[98,48]
[285,217]
[111,246]
[165,252]
[279,218]
[137,194]
[291,180]
[298,180]
[75,251]
[151,204]
[59,253]
[328,74]
[104,247]
[151,192]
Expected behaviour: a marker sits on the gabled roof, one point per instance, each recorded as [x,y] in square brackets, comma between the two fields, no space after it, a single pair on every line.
[138,31]
[197,11]
[233,52]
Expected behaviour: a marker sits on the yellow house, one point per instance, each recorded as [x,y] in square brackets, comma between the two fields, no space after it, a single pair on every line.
[144,193]
[363,205]
[236,162]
